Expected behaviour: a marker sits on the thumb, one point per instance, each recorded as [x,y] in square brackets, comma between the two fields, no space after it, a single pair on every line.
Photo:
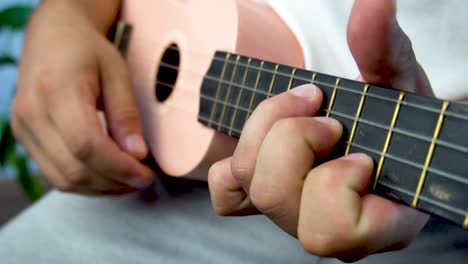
[119,104]
[382,51]
[228,198]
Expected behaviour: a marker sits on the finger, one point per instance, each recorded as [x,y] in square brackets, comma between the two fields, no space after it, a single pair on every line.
[46,167]
[227,196]
[292,144]
[382,51]
[301,101]
[23,110]
[77,121]
[33,128]
[59,166]
[344,221]
[119,104]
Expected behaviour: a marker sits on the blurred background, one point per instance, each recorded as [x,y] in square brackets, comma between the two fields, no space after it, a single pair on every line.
[20,182]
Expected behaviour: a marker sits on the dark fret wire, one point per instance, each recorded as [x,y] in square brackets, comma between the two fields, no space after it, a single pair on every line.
[368,122]
[388,185]
[339,87]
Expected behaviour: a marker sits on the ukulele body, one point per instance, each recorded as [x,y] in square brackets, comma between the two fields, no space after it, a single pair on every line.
[197,28]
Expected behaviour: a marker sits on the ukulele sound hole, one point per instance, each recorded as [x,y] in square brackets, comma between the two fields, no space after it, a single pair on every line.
[167,73]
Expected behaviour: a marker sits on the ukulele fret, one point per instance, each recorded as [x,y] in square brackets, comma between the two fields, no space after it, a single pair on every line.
[332,99]
[234,116]
[430,153]
[356,119]
[213,110]
[273,79]
[223,112]
[255,88]
[387,139]
[293,74]
[412,139]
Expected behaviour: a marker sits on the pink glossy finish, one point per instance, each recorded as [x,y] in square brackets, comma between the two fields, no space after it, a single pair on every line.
[180,145]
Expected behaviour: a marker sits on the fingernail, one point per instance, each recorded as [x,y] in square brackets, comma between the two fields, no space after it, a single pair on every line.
[305,91]
[357,157]
[329,121]
[135,144]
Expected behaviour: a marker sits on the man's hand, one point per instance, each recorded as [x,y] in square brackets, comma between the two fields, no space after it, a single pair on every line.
[67,73]
[327,207]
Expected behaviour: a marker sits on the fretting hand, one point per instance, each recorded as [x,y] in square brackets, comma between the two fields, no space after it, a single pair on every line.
[326,207]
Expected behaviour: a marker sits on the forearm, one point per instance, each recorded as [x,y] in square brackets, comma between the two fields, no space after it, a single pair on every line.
[100,14]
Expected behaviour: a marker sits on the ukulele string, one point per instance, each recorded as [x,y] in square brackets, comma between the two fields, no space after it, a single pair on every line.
[389,156]
[206,55]
[439,142]
[416,165]
[424,198]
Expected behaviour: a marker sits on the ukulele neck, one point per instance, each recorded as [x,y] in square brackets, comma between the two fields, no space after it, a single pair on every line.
[419,144]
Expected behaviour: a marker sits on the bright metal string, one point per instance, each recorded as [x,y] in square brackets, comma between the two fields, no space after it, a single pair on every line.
[339,87]
[440,142]
[426,139]
[448,175]
[212,57]
[388,185]
[387,156]
[361,120]
[444,174]
[413,105]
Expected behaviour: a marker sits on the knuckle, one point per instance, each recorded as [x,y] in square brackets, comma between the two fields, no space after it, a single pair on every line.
[87,81]
[76,176]
[286,127]
[406,53]
[240,169]
[45,83]
[214,181]
[322,245]
[22,110]
[266,199]
[82,147]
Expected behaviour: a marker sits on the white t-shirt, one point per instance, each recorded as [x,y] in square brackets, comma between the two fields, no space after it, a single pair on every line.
[437,29]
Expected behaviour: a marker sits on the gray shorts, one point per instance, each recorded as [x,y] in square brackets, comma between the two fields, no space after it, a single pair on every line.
[178,226]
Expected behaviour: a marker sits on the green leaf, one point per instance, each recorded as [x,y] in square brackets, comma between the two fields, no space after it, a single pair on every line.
[7,60]
[7,143]
[30,184]
[15,17]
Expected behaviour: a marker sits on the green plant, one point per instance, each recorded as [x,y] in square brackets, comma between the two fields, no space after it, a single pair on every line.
[15,18]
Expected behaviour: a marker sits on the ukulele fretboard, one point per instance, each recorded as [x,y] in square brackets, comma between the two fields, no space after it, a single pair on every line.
[419,144]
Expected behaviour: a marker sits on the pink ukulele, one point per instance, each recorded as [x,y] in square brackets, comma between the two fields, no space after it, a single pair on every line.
[201,67]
